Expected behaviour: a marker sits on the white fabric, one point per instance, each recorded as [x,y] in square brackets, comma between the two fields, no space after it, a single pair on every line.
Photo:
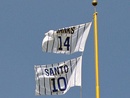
[66,40]
[56,79]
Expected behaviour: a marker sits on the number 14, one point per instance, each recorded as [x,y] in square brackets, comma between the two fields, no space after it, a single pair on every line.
[66,43]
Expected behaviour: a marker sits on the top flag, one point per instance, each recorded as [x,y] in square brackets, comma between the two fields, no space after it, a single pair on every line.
[66,40]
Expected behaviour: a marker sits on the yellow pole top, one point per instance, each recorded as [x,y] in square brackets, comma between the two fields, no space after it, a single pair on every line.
[94,3]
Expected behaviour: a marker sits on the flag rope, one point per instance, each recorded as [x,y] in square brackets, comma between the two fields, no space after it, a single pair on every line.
[81,80]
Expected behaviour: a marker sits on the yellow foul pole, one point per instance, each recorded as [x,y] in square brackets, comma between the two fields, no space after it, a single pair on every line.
[94,3]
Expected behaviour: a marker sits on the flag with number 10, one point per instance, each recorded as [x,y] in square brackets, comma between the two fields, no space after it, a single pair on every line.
[58,78]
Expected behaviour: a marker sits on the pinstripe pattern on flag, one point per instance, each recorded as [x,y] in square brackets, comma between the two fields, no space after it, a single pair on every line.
[58,78]
[66,40]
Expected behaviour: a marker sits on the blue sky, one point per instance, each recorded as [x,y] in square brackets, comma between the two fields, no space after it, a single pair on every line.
[22,27]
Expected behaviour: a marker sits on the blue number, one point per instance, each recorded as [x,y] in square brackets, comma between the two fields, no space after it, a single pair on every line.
[61,78]
[66,43]
[54,86]
[60,46]
[59,84]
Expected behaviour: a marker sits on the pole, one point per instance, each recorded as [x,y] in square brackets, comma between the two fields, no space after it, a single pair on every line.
[96,50]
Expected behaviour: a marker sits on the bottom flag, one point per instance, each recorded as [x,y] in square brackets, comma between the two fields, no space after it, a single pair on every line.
[56,79]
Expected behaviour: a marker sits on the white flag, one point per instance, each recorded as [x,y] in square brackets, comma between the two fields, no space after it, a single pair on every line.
[56,79]
[66,40]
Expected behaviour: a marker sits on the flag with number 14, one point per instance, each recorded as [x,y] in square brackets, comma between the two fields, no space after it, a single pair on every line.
[66,40]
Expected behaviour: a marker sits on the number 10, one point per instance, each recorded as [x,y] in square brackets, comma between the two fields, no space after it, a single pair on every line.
[59,81]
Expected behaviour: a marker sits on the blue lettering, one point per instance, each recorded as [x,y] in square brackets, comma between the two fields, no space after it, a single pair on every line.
[51,72]
[66,69]
[56,70]
[47,73]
